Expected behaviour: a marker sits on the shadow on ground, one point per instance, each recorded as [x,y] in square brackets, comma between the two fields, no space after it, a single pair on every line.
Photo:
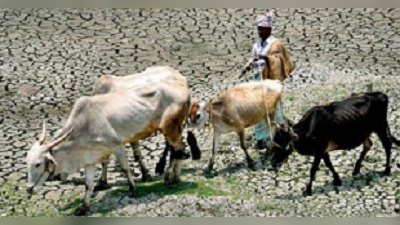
[368,179]
[156,189]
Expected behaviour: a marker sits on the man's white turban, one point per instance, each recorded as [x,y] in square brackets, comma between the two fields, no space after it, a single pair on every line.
[265,21]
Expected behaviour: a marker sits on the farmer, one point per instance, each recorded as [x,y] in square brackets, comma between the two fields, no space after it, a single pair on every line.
[270,60]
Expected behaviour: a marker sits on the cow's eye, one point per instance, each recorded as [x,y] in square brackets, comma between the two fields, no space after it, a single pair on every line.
[37,165]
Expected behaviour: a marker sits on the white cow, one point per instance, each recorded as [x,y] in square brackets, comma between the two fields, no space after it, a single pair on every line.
[151,76]
[100,125]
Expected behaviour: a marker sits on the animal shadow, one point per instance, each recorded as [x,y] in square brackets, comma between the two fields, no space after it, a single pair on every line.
[349,183]
[146,192]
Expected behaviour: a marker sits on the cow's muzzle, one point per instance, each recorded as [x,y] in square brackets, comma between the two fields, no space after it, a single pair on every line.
[31,190]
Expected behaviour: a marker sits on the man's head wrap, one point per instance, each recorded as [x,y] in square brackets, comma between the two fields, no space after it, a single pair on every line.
[265,21]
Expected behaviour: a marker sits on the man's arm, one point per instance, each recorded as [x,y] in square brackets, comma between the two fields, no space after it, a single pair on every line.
[249,65]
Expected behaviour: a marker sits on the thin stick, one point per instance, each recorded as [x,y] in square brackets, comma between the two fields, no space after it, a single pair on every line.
[266,106]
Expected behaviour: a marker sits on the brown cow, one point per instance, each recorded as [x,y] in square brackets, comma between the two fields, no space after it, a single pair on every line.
[236,109]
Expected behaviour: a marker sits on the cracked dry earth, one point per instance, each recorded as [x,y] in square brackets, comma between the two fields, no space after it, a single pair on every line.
[51,57]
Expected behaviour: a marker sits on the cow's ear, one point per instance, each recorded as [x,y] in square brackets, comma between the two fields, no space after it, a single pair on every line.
[50,158]
[43,136]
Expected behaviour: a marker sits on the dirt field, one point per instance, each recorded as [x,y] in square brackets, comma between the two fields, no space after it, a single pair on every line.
[51,57]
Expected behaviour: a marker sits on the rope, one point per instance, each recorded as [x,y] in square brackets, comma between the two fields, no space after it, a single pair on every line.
[266,106]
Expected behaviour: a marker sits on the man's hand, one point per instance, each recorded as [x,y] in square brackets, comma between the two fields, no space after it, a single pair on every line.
[243,71]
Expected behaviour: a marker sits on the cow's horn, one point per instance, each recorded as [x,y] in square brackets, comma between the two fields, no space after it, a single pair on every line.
[59,140]
[43,136]
[50,158]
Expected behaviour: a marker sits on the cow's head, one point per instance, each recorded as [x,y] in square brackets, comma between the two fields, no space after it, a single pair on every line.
[282,145]
[40,161]
[198,115]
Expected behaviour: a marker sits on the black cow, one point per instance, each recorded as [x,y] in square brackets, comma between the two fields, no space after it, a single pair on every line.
[338,125]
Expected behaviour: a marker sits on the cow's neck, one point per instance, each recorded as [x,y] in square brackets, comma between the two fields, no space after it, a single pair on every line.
[64,157]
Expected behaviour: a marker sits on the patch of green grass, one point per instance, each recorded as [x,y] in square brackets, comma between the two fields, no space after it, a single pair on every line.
[230,180]
[290,98]
[255,155]
[200,188]
[226,142]
[268,207]
[284,174]
[265,207]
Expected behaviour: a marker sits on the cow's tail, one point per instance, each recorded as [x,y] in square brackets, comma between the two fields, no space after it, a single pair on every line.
[192,141]
[395,141]
[393,138]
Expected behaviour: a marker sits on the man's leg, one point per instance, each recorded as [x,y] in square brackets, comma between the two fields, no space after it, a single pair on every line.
[279,117]
[261,127]
[261,130]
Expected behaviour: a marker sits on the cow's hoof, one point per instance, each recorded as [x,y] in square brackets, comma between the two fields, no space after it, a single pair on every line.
[176,181]
[169,180]
[387,172]
[82,210]
[132,192]
[252,165]
[209,169]
[356,172]
[170,184]
[147,178]
[337,182]
[102,186]
[307,193]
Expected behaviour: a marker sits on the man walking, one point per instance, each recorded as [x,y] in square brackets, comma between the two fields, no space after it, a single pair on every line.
[270,60]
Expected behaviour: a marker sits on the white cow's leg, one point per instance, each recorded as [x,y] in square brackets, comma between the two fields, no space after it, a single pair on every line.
[89,186]
[123,162]
[103,184]
[242,139]
[217,141]
[169,177]
[177,171]
[137,153]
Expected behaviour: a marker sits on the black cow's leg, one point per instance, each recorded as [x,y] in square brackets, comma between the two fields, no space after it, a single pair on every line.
[160,166]
[336,178]
[250,161]
[314,168]
[386,140]
[367,147]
